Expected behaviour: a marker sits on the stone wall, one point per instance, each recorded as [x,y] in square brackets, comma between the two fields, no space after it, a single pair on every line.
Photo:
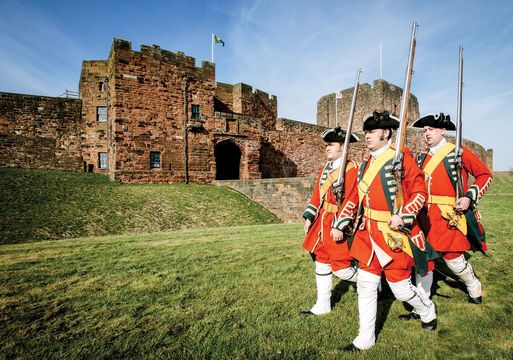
[296,149]
[292,149]
[381,96]
[40,132]
[286,197]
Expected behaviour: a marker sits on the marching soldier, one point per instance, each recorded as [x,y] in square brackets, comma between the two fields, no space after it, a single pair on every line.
[325,222]
[452,225]
[381,244]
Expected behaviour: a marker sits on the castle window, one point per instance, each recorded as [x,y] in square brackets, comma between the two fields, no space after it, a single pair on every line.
[196,115]
[154,159]
[103,160]
[101,86]
[101,113]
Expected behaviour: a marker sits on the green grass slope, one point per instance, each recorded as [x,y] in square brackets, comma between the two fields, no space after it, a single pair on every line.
[51,204]
[230,293]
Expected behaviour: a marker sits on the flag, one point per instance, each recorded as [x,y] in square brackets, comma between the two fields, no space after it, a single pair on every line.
[218,39]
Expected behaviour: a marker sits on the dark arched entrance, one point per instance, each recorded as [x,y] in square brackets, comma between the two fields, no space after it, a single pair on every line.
[227,160]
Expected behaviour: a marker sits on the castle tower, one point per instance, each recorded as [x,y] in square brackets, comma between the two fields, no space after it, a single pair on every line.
[154,108]
[153,116]
[381,96]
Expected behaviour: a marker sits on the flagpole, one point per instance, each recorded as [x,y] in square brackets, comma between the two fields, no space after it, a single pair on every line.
[212,48]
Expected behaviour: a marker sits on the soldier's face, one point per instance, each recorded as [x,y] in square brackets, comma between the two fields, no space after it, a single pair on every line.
[333,150]
[433,136]
[376,139]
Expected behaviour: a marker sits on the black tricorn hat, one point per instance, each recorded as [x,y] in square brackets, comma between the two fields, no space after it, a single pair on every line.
[380,120]
[337,135]
[439,121]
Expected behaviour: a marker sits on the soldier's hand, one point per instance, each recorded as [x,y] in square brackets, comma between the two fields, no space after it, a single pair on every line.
[462,204]
[336,234]
[308,223]
[396,223]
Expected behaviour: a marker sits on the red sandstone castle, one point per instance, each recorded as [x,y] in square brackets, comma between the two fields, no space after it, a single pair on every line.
[153,116]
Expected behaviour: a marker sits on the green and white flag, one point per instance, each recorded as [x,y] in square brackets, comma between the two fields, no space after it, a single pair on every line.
[215,40]
[218,40]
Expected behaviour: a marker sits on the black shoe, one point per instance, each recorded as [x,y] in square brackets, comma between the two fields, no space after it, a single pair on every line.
[410,316]
[351,348]
[477,300]
[429,326]
[306,313]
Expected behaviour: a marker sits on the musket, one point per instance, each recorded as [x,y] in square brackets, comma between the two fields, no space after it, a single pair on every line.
[339,191]
[458,150]
[401,132]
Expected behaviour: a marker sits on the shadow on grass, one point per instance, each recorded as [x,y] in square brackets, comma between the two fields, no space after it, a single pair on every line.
[340,290]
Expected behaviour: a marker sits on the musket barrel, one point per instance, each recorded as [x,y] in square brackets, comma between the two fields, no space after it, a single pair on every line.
[406,95]
[351,114]
[459,103]
[401,132]
[347,140]
[458,150]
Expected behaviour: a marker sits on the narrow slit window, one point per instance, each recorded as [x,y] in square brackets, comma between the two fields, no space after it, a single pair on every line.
[103,160]
[196,115]
[101,113]
[155,160]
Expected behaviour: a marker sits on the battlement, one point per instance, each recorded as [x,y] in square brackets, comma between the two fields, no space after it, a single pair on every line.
[244,91]
[241,99]
[155,52]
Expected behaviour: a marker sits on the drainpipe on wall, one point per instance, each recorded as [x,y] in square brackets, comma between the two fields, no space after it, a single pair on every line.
[186,79]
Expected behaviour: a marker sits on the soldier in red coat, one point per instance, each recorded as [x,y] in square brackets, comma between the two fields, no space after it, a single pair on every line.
[326,222]
[452,225]
[387,242]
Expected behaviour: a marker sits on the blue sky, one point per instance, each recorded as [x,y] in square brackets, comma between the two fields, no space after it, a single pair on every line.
[297,50]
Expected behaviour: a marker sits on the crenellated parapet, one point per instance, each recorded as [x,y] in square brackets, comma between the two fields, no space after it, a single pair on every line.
[154,53]
[242,99]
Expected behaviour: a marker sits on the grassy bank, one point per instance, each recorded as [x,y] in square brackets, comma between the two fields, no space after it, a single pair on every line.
[229,293]
[51,204]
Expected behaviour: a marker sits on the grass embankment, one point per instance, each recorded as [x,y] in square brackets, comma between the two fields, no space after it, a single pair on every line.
[52,204]
[230,293]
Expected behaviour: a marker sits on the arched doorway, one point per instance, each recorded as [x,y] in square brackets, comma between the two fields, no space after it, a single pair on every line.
[227,155]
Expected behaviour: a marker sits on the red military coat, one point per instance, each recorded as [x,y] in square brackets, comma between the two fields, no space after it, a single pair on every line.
[324,214]
[369,239]
[441,182]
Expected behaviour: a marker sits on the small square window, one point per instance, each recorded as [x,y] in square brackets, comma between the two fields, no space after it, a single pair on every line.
[196,115]
[103,160]
[101,113]
[154,159]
